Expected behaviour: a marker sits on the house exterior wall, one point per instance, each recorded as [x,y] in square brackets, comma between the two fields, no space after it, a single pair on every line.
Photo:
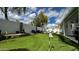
[9,26]
[69,24]
[12,27]
[28,28]
[57,29]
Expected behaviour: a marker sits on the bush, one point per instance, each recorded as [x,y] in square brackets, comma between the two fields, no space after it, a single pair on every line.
[38,31]
[2,37]
[17,32]
[0,32]
[33,31]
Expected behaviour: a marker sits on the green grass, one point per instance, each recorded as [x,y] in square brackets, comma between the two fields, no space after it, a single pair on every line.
[61,46]
[38,42]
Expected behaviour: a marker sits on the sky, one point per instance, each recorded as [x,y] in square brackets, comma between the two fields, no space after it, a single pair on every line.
[55,14]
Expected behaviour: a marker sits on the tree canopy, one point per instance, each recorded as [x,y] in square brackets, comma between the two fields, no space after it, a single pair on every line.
[40,20]
[17,10]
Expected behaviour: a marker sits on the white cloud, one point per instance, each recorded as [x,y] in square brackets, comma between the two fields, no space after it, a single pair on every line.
[51,8]
[52,13]
[14,16]
[63,14]
[51,25]
[33,8]
[32,15]
[48,21]
[41,10]
[29,18]
[30,10]
[2,15]
[17,17]
[27,13]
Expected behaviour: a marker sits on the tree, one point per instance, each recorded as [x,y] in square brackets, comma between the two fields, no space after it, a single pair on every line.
[5,10]
[40,20]
[43,18]
[19,10]
[36,22]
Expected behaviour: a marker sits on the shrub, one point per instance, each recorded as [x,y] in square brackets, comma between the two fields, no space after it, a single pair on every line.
[2,37]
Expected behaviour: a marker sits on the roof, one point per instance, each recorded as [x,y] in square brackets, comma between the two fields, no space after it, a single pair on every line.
[71,12]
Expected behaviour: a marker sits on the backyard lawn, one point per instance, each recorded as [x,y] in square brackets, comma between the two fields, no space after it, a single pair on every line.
[37,42]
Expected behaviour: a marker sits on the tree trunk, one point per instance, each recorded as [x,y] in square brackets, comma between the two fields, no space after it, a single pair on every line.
[6,16]
[24,9]
[42,27]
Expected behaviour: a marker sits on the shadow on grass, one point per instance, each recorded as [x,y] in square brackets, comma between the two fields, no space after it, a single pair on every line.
[68,41]
[20,49]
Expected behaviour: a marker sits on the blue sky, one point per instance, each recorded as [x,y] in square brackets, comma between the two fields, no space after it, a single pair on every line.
[51,12]
[55,14]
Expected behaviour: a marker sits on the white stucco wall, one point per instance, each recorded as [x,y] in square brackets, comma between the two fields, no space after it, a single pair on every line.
[12,27]
[9,26]
[70,23]
[28,28]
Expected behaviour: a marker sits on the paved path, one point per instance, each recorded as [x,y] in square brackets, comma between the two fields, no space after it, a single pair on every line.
[13,35]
